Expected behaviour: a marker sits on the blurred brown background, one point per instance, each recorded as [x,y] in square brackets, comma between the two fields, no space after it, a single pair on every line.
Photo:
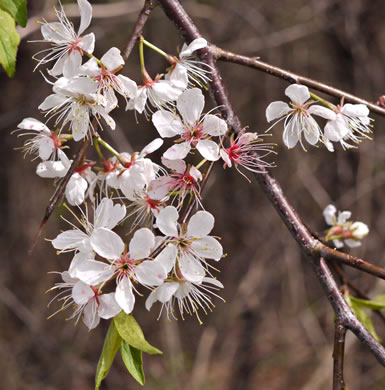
[276,329]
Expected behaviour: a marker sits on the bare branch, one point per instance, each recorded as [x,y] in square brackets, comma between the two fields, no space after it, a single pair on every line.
[149,5]
[228,56]
[338,355]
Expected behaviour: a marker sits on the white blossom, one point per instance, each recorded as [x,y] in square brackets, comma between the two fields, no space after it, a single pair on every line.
[343,230]
[67,46]
[297,116]
[194,130]
[352,123]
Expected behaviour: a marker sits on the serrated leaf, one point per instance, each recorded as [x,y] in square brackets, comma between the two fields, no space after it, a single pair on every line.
[9,41]
[110,347]
[362,316]
[131,332]
[17,9]
[132,358]
[378,303]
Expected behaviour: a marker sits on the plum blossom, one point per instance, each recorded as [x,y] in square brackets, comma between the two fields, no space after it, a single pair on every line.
[128,266]
[297,116]
[67,46]
[343,231]
[106,217]
[183,180]
[189,296]
[352,123]
[54,169]
[74,100]
[192,242]
[80,181]
[136,171]
[158,94]
[86,300]
[44,142]
[194,130]
[186,70]
[104,73]
[245,151]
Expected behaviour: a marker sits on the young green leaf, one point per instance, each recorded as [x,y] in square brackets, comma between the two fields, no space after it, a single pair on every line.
[132,358]
[378,303]
[131,332]
[362,316]
[110,347]
[9,41]
[17,9]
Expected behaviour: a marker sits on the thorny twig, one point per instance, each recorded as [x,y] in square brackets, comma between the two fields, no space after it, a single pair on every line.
[314,250]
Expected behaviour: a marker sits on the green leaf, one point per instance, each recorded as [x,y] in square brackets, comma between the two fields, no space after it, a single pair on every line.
[9,41]
[378,303]
[132,358]
[131,332]
[362,316]
[110,347]
[17,9]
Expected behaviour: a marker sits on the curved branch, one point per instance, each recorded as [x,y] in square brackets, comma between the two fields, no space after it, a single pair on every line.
[291,77]
[149,5]
[273,190]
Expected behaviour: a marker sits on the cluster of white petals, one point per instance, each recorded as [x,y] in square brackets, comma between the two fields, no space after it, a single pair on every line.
[343,231]
[349,122]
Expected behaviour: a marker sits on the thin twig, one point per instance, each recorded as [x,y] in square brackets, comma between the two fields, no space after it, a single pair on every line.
[291,77]
[149,5]
[338,355]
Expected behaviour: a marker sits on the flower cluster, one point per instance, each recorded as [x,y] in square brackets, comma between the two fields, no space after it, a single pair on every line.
[167,247]
[349,122]
[342,230]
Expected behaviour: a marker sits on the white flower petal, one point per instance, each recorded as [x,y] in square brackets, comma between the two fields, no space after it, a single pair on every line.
[322,112]
[127,86]
[208,248]
[109,215]
[124,295]
[166,291]
[311,130]
[167,123]
[291,135]
[276,110]
[214,126]
[85,15]
[297,93]
[112,59]
[108,307]
[141,244]
[91,272]
[166,91]
[196,44]
[76,190]
[167,220]
[343,217]
[150,273]
[178,76]
[82,293]
[87,43]
[200,224]
[34,124]
[352,243]
[329,214]
[91,317]
[107,243]
[213,281]
[191,269]
[151,147]
[177,151]
[190,105]
[72,65]
[167,257]
[360,230]
[208,149]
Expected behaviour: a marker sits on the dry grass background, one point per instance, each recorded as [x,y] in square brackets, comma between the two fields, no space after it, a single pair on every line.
[276,329]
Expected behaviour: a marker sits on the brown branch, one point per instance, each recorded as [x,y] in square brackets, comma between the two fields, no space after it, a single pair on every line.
[338,355]
[58,194]
[310,246]
[291,77]
[352,261]
[149,5]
